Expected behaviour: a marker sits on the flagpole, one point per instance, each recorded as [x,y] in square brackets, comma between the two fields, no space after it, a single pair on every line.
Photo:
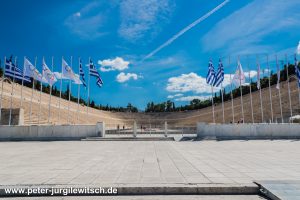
[279,92]
[250,87]
[21,104]
[296,71]
[212,102]
[223,103]
[60,91]
[49,108]
[2,87]
[12,91]
[88,103]
[288,81]
[41,89]
[270,92]
[35,60]
[241,90]
[260,95]
[232,108]
[78,93]
[70,88]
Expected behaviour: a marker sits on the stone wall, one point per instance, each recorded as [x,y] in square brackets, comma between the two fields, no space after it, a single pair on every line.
[17,116]
[51,132]
[248,131]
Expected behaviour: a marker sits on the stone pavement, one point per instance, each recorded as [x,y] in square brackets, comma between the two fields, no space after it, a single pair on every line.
[148,163]
[158,197]
[281,189]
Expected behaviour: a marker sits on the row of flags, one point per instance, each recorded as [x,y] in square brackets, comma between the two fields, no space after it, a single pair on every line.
[216,79]
[212,78]
[47,76]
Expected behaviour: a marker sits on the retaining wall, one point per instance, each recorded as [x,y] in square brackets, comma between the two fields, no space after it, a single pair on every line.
[249,131]
[51,132]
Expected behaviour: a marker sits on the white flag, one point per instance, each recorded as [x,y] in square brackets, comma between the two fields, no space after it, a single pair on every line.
[278,78]
[239,76]
[31,71]
[258,76]
[298,48]
[59,75]
[49,76]
[77,80]
[67,71]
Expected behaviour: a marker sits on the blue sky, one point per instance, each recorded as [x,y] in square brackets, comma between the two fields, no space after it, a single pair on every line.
[118,35]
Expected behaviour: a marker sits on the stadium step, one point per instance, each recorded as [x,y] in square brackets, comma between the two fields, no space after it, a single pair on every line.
[129,139]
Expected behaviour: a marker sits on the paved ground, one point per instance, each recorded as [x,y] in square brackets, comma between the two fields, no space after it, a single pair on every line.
[158,197]
[282,189]
[141,163]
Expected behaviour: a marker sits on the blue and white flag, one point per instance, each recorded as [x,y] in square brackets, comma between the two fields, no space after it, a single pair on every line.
[31,71]
[93,72]
[48,74]
[14,71]
[67,72]
[210,78]
[220,74]
[297,71]
[81,73]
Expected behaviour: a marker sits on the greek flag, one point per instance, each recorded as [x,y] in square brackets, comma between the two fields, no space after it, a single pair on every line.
[297,71]
[81,73]
[220,74]
[94,72]
[210,78]
[14,71]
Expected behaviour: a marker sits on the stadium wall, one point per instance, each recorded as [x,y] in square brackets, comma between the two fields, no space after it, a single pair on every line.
[50,132]
[248,131]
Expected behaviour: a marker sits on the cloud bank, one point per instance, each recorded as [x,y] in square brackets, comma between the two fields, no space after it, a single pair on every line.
[118,64]
[123,77]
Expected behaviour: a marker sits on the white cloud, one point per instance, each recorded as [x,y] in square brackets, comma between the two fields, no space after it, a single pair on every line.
[139,17]
[87,22]
[113,64]
[252,73]
[78,14]
[190,98]
[122,77]
[191,83]
[197,84]
[175,95]
[245,30]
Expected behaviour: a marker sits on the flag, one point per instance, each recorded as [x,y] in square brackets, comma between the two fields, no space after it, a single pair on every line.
[220,74]
[210,78]
[14,71]
[258,76]
[31,71]
[239,76]
[59,75]
[77,80]
[93,72]
[298,48]
[67,72]
[297,71]
[81,73]
[49,76]
[278,78]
